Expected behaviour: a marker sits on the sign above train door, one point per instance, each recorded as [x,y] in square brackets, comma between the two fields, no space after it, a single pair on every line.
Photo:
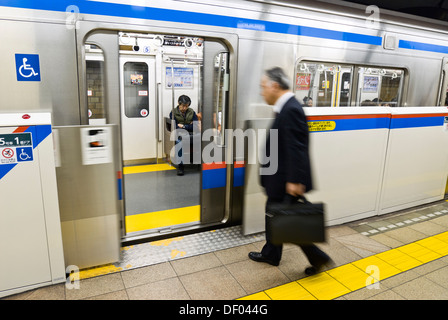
[27,67]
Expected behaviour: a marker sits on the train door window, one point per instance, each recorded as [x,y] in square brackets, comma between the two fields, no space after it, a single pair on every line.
[345,87]
[443,94]
[323,84]
[136,104]
[221,80]
[95,84]
[379,86]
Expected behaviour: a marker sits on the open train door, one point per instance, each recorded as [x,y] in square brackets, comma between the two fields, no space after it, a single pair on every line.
[143,75]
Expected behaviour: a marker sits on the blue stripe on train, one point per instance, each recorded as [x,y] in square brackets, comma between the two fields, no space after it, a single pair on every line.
[412,122]
[128,11]
[132,11]
[383,123]
[214,178]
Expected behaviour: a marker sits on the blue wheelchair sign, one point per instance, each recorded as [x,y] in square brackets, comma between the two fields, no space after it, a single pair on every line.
[24,154]
[27,67]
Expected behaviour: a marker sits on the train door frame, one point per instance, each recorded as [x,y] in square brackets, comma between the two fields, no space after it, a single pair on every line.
[144,125]
[338,84]
[106,39]
[105,36]
[442,95]
[443,85]
[216,198]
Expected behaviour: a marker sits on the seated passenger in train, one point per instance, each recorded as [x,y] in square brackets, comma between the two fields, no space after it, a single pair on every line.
[183,114]
[185,119]
[308,102]
[368,103]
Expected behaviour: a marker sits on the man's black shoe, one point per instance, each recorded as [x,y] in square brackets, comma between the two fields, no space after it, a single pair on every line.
[311,271]
[180,170]
[257,256]
[316,269]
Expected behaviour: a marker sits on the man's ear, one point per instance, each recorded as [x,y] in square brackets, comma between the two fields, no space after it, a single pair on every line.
[275,85]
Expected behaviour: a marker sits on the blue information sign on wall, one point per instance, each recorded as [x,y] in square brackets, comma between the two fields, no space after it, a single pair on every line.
[27,67]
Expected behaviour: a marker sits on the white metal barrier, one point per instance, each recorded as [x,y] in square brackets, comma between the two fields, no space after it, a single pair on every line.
[30,230]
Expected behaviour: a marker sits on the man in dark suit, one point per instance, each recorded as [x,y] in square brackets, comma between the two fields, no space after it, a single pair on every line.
[293,176]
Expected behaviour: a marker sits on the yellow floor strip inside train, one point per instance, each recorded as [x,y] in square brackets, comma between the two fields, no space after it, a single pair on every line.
[148,168]
[163,218]
[359,274]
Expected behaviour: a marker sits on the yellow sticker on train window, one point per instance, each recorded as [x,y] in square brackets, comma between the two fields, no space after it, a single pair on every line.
[321,125]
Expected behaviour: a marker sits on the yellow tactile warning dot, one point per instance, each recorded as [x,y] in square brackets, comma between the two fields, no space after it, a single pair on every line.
[289,291]
[350,277]
[257,296]
[385,269]
[399,260]
[442,236]
[419,252]
[323,286]
[435,245]
[147,168]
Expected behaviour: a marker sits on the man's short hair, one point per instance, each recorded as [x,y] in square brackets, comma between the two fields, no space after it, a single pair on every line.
[277,75]
[183,99]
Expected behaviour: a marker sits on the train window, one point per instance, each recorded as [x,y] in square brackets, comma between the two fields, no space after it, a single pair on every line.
[379,86]
[136,103]
[323,85]
[95,84]
[320,84]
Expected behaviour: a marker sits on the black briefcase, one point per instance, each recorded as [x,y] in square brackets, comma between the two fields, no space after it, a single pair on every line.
[300,222]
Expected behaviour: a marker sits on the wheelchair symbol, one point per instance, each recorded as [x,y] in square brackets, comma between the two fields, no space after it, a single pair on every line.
[24,154]
[29,71]
[27,67]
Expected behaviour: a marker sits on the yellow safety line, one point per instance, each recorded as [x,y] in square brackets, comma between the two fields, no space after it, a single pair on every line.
[332,283]
[96,271]
[148,168]
[359,274]
[164,218]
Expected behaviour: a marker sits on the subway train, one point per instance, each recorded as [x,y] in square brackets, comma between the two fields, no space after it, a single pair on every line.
[373,82]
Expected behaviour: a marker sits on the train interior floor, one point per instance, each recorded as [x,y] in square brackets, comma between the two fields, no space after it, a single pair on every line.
[156,197]
[398,256]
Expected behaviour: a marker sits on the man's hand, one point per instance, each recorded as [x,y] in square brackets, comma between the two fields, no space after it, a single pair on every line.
[295,189]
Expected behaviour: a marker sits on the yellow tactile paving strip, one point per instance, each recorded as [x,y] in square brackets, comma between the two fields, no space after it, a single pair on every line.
[350,277]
